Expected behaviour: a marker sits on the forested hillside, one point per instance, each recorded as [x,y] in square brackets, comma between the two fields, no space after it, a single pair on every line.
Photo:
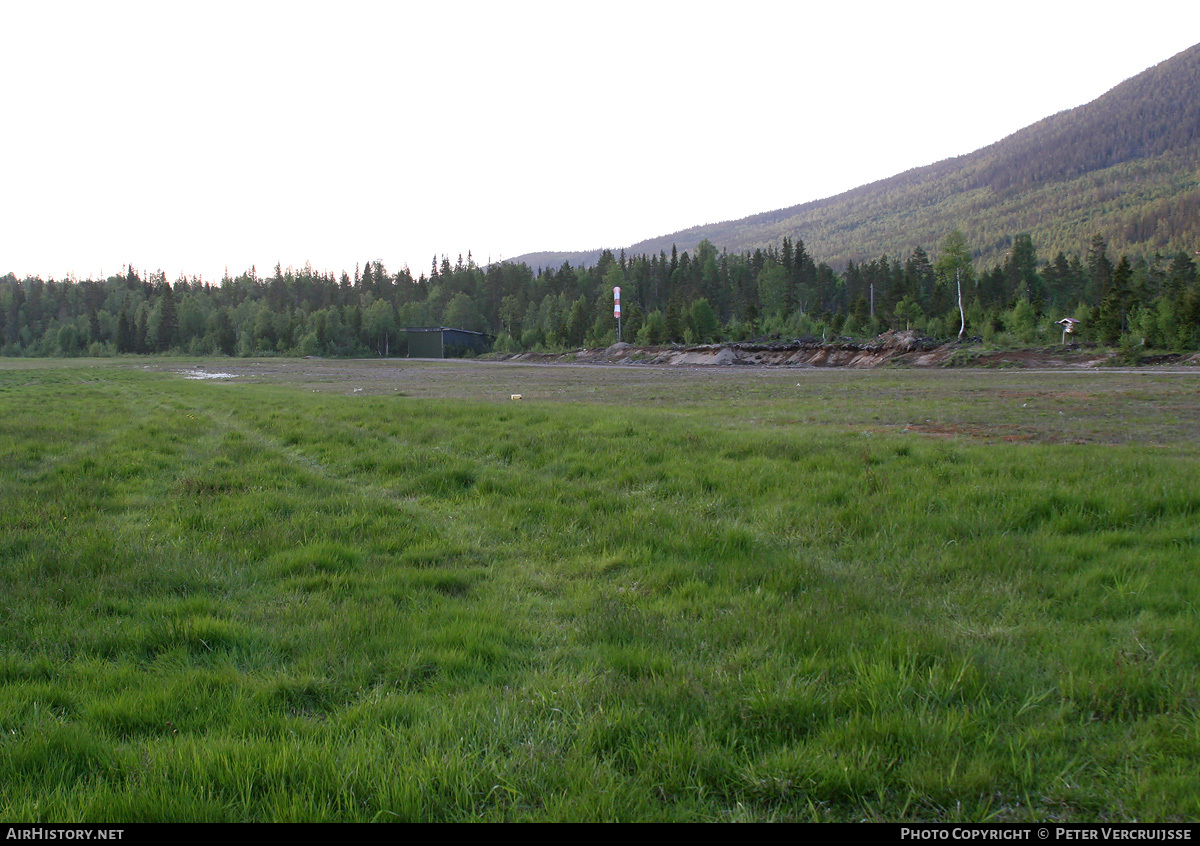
[1125,166]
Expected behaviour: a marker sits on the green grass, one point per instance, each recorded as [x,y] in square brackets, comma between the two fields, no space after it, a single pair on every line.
[638,594]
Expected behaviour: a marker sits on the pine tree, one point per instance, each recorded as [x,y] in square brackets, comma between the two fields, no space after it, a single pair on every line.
[1180,276]
[1020,271]
[124,333]
[168,321]
[1100,270]
[703,321]
[225,336]
[1114,308]
[674,324]
[578,321]
[139,331]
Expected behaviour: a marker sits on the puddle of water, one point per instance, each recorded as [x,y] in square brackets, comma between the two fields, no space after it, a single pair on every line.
[204,374]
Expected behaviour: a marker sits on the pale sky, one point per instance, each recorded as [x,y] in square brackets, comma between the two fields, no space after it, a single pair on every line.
[191,137]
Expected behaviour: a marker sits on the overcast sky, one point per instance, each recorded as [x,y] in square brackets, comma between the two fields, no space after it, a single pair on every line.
[195,137]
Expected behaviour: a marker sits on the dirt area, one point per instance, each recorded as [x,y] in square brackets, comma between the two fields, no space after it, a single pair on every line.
[907,349]
[1058,399]
[999,432]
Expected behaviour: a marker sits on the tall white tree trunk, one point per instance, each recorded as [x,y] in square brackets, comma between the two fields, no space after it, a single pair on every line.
[962,315]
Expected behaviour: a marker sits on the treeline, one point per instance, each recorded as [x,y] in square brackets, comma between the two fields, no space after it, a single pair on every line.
[701,296]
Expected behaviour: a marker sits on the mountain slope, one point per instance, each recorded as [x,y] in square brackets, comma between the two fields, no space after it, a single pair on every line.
[1125,166]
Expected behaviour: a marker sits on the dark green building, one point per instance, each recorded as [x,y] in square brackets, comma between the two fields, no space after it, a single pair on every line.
[443,342]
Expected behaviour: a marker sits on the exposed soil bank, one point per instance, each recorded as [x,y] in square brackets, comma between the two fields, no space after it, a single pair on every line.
[895,348]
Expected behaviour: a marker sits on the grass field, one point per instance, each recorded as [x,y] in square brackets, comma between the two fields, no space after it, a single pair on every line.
[383,591]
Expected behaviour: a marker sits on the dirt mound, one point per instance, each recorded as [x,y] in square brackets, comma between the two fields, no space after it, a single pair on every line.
[899,348]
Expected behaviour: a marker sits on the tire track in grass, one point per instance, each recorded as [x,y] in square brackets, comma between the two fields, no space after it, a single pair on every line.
[106,435]
[227,421]
[374,522]
[446,525]
[65,508]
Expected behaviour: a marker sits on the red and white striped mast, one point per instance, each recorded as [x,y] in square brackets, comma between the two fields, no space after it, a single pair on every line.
[617,311]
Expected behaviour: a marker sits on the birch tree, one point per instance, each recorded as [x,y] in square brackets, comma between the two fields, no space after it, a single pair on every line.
[953,268]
